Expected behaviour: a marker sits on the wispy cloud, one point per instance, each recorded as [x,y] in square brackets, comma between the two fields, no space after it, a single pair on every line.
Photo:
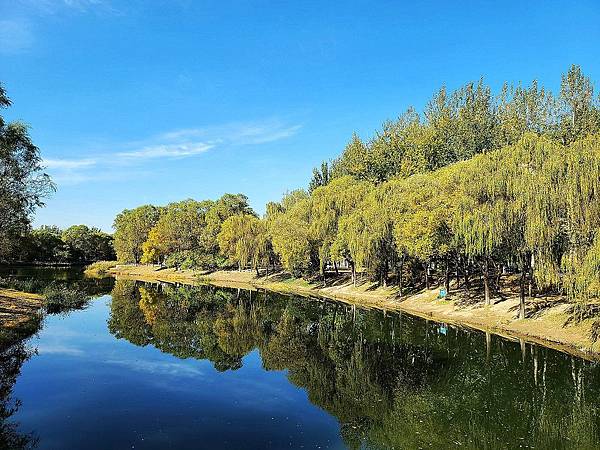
[18,25]
[170,145]
[69,164]
[59,349]
[167,151]
[181,369]
[238,133]
[15,36]
[56,6]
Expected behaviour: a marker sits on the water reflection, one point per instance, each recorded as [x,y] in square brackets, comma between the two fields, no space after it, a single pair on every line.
[390,380]
[13,353]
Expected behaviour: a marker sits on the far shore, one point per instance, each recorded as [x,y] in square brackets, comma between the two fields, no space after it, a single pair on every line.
[545,325]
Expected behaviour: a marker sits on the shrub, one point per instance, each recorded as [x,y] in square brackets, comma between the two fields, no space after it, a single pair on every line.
[61,298]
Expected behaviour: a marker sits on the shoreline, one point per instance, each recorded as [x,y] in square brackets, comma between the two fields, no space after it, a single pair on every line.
[18,308]
[545,328]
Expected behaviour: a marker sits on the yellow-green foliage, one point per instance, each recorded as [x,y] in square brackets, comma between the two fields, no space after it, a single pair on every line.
[477,182]
[244,239]
[99,268]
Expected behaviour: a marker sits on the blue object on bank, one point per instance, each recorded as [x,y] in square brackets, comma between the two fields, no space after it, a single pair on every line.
[443,293]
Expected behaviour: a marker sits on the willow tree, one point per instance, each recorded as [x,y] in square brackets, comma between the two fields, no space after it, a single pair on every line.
[244,240]
[532,173]
[220,210]
[580,192]
[328,204]
[422,215]
[481,217]
[365,238]
[290,235]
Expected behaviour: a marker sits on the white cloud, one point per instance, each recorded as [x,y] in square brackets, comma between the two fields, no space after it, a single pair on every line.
[15,36]
[167,151]
[69,164]
[260,134]
[171,145]
[159,367]
[59,349]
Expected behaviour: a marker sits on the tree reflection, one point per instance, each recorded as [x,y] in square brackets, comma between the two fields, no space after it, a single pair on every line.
[13,353]
[390,380]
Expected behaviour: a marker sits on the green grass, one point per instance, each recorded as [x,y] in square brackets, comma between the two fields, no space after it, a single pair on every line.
[100,268]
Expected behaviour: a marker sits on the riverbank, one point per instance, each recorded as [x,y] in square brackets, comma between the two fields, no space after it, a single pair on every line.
[545,323]
[18,308]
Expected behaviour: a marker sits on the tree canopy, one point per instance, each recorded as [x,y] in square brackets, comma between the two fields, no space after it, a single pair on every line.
[23,183]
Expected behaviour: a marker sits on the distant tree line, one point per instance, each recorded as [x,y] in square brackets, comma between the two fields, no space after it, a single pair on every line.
[182,234]
[476,186]
[77,244]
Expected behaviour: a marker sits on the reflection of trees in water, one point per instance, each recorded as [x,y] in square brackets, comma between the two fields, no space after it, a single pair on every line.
[393,381]
[13,353]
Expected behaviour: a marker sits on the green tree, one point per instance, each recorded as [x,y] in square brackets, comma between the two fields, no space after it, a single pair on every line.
[88,244]
[580,114]
[320,177]
[178,232]
[328,205]
[132,227]
[23,184]
[244,240]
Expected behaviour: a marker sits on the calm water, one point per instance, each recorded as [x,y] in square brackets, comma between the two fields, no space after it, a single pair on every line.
[150,366]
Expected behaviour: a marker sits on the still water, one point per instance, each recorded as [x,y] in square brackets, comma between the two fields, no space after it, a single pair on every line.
[162,366]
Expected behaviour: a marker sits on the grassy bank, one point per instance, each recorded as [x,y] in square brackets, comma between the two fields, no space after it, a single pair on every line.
[18,308]
[547,321]
[99,268]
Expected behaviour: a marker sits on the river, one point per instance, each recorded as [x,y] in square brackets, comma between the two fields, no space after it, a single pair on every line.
[165,366]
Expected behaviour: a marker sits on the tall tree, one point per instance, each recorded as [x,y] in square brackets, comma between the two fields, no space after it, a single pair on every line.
[23,183]
[131,231]
[580,114]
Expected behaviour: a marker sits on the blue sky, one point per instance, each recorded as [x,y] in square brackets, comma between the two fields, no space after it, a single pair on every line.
[136,102]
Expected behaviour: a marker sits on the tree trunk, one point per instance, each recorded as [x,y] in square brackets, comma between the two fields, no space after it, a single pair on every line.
[498,278]
[336,268]
[447,278]
[457,271]
[353,270]
[486,280]
[239,266]
[257,274]
[522,292]
[401,277]
[427,275]
[530,275]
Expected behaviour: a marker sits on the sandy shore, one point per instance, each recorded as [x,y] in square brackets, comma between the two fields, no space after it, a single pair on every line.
[545,327]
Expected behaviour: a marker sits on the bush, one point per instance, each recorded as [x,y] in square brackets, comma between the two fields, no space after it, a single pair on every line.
[61,298]
[31,285]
